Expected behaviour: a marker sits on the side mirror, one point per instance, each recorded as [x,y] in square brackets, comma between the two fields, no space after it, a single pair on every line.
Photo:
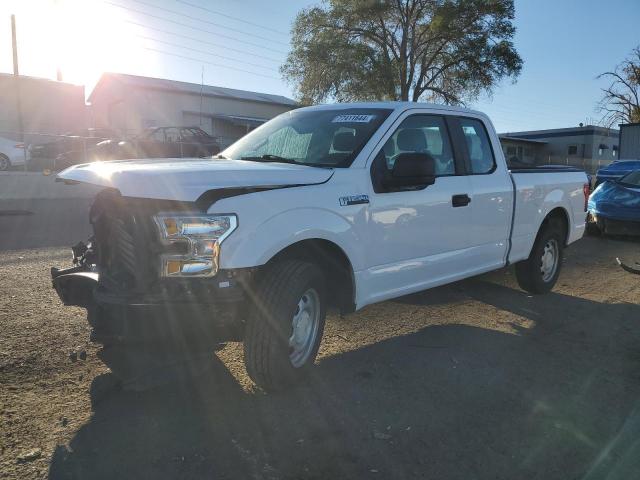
[411,170]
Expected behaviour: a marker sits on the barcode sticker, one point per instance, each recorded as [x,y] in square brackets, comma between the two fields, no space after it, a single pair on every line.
[353,119]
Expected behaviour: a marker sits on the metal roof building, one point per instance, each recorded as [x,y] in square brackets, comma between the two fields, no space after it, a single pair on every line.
[131,103]
[630,141]
[588,146]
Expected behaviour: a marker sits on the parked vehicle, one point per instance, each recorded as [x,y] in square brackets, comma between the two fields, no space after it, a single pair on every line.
[160,142]
[78,140]
[614,207]
[11,154]
[616,170]
[327,206]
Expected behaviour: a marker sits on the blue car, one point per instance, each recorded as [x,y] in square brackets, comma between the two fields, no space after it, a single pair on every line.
[616,170]
[614,206]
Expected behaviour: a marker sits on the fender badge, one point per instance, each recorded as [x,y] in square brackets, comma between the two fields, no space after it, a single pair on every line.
[354,200]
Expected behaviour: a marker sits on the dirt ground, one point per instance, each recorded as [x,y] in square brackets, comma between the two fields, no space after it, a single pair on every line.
[476,380]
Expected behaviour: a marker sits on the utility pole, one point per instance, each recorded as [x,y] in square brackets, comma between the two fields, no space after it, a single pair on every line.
[14,44]
[16,78]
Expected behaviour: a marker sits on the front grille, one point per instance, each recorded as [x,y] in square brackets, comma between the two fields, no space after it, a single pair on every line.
[127,241]
[124,250]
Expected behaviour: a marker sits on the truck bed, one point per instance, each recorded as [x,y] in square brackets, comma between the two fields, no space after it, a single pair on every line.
[535,190]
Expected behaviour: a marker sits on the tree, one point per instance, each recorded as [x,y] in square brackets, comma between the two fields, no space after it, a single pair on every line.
[620,101]
[437,50]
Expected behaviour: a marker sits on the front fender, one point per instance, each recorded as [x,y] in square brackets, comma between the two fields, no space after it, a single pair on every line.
[258,245]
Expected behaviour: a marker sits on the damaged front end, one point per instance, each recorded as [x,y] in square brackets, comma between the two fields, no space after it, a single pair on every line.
[118,276]
[75,285]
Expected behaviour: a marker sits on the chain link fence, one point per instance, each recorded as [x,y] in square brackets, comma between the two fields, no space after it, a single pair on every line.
[589,165]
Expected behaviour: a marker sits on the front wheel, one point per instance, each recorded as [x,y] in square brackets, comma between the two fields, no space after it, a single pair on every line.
[539,273]
[286,324]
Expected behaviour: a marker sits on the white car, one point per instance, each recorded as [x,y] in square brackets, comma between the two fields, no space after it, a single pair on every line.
[328,206]
[11,153]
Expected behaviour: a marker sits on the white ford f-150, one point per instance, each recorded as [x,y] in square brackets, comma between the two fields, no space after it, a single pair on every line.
[327,206]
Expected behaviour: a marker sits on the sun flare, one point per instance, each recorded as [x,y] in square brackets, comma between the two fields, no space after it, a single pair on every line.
[79,38]
[95,38]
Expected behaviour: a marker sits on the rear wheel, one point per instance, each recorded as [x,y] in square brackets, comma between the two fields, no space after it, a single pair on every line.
[5,164]
[539,273]
[286,325]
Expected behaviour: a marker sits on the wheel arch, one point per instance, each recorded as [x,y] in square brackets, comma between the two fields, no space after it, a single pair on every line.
[561,215]
[334,263]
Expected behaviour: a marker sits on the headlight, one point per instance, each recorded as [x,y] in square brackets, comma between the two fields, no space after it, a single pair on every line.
[201,236]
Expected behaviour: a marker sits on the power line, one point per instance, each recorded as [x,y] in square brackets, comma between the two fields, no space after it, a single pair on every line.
[191,17]
[210,63]
[231,17]
[194,28]
[206,53]
[187,37]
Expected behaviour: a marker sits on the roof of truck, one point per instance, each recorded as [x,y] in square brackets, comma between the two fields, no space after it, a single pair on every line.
[394,106]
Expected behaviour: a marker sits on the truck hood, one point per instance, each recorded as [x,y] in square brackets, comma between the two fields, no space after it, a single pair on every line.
[187,179]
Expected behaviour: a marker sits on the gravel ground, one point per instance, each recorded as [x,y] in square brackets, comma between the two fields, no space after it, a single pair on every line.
[472,380]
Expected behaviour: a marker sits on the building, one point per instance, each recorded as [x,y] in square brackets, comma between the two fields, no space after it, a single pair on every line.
[130,104]
[588,147]
[630,141]
[523,150]
[47,106]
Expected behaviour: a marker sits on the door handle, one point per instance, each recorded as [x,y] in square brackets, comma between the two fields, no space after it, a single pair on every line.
[461,200]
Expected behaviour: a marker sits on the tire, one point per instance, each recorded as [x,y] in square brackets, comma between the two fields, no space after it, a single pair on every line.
[5,164]
[537,274]
[290,292]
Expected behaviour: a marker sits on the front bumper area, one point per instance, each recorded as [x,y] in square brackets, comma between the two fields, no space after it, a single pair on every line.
[183,317]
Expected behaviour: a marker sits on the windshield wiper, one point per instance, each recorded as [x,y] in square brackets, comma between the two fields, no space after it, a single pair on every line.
[270,158]
[278,159]
[221,157]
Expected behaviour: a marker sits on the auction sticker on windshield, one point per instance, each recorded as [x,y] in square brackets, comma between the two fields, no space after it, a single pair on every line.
[353,118]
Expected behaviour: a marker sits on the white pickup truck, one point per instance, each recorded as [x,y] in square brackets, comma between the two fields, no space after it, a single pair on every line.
[328,206]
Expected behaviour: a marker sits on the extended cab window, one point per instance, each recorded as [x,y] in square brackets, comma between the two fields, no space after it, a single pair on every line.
[478,146]
[422,134]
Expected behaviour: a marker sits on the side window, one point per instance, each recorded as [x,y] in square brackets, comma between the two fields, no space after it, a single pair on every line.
[172,135]
[156,135]
[422,134]
[478,146]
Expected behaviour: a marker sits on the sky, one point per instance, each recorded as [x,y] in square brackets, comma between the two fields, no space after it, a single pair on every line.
[565,44]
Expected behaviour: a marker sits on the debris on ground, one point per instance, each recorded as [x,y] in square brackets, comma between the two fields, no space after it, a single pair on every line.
[29,456]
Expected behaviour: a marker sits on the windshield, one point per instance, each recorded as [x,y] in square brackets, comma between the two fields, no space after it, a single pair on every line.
[326,138]
[631,179]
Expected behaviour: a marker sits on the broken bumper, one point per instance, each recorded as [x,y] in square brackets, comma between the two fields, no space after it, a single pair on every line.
[121,317]
[74,286]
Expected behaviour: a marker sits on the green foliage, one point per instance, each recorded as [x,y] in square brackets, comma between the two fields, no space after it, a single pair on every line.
[437,50]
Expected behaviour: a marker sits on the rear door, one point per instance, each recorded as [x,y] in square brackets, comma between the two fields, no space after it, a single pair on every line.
[417,238]
[173,145]
[492,188]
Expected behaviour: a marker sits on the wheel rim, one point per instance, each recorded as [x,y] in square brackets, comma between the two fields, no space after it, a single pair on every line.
[304,328]
[4,163]
[549,260]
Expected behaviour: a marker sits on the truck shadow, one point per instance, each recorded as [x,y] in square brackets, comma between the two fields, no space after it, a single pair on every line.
[558,400]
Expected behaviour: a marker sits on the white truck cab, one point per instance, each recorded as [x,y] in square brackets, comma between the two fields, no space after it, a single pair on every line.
[327,206]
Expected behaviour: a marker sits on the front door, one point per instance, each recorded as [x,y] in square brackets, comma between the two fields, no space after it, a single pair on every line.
[418,238]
